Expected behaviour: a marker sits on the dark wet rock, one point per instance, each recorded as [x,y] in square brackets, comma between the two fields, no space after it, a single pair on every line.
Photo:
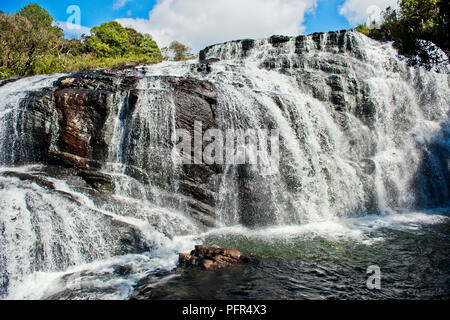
[97,180]
[276,40]
[64,125]
[212,60]
[194,98]
[6,81]
[84,114]
[123,270]
[338,99]
[246,46]
[66,159]
[368,166]
[36,119]
[101,79]
[202,54]
[42,181]
[335,83]
[317,37]
[145,288]
[202,67]
[366,111]
[130,239]
[337,38]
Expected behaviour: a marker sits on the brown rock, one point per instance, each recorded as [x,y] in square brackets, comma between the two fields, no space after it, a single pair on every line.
[83,116]
[209,264]
[97,180]
[70,160]
[211,258]
[67,82]
[186,260]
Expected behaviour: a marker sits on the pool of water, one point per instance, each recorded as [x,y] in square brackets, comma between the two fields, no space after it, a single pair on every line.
[323,260]
[329,261]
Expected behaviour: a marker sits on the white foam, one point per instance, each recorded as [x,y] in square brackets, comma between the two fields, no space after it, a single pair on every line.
[365,229]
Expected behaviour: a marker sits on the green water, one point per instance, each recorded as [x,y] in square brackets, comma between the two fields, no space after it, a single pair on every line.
[414,260]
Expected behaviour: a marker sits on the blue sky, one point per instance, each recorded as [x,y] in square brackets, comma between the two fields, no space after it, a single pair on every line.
[202,22]
[93,12]
[326,17]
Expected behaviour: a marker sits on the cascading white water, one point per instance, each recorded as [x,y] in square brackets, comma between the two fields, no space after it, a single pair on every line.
[380,148]
[47,231]
[339,165]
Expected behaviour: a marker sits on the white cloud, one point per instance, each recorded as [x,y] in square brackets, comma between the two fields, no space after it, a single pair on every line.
[119,4]
[360,11]
[72,30]
[199,23]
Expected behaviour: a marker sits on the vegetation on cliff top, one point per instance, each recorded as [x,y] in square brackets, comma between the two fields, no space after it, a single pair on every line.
[414,28]
[31,44]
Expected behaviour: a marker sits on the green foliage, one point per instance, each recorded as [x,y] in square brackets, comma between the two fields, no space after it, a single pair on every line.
[86,61]
[5,73]
[26,37]
[143,44]
[38,16]
[29,45]
[416,20]
[109,40]
[13,41]
[112,40]
[363,28]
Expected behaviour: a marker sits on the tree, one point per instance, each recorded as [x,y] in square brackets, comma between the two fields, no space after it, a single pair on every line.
[442,27]
[22,44]
[14,32]
[113,40]
[26,37]
[30,44]
[419,23]
[414,29]
[109,39]
[150,48]
[143,44]
[40,18]
[177,52]
[134,37]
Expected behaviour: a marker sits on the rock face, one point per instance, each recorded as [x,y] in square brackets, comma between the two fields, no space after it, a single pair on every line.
[72,131]
[89,121]
[69,125]
[244,47]
[211,258]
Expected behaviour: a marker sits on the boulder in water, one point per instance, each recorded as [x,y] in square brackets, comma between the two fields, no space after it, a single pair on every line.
[211,258]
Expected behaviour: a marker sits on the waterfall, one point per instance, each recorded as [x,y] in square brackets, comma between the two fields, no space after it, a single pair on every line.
[360,133]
